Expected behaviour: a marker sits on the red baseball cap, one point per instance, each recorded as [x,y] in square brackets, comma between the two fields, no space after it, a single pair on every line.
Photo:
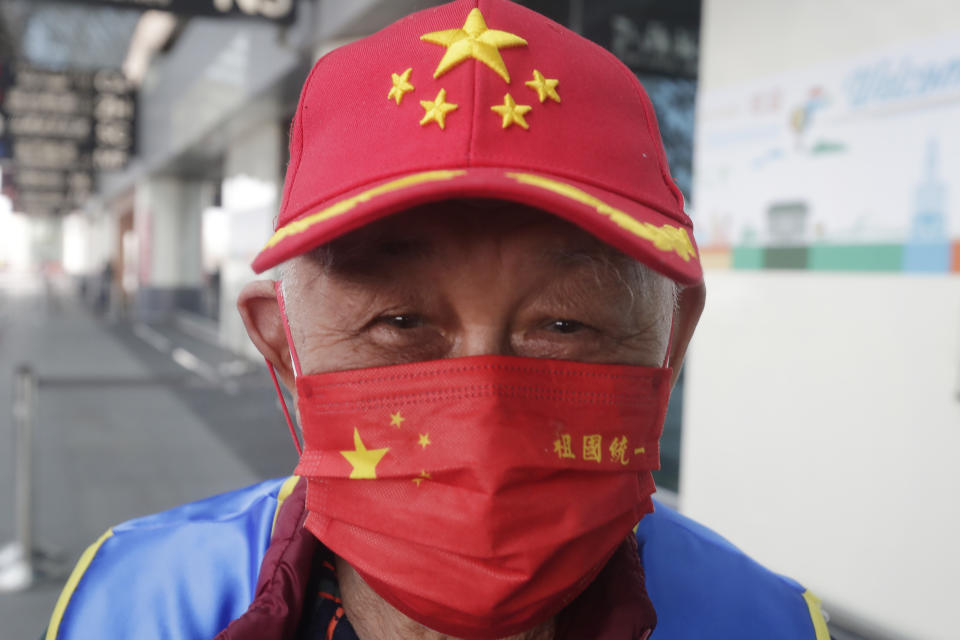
[481,99]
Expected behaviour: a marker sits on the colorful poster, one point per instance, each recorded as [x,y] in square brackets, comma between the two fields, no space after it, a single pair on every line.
[853,165]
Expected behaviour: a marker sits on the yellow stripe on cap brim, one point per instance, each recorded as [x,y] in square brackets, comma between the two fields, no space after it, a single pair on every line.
[665,237]
[86,558]
[299,226]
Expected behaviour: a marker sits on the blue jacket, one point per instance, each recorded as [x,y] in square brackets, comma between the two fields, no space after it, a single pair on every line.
[188,572]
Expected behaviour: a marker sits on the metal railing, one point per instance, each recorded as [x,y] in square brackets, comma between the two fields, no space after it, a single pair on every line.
[17,557]
[22,560]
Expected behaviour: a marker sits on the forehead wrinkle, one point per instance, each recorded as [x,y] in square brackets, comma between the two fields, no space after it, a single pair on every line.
[584,273]
[616,277]
[583,282]
[605,263]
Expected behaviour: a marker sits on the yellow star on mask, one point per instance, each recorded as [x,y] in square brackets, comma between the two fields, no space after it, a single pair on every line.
[437,110]
[423,476]
[401,86]
[512,112]
[545,87]
[396,420]
[424,440]
[474,40]
[364,460]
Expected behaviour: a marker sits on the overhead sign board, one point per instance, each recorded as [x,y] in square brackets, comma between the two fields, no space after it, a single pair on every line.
[284,11]
[649,37]
[60,128]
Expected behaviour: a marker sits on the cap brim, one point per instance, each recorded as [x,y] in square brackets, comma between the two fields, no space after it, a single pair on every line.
[637,230]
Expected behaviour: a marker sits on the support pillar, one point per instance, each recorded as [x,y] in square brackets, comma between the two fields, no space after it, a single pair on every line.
[253,179]
[168,214]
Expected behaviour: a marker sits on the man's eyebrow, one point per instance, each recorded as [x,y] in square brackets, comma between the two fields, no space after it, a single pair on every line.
[584,256]
[357,255]
[404,248]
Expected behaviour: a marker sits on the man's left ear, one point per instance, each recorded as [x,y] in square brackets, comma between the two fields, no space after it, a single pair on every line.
[263,321]
[690,306]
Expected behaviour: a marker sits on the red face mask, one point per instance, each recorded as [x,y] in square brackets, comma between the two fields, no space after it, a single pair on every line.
[480,495]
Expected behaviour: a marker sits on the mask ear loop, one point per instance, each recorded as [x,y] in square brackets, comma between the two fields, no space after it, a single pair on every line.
[283,405]
[296,367]
[673,324]
[286,328]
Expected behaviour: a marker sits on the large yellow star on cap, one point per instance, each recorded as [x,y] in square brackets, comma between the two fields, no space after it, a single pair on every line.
[364,460]
[512,112]
[545,87]
[437,110]
[401,85]
[474,40]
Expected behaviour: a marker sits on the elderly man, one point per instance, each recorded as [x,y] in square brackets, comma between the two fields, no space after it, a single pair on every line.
[488,286]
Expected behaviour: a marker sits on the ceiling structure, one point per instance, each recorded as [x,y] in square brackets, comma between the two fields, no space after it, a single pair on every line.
[67,113]
[60,36]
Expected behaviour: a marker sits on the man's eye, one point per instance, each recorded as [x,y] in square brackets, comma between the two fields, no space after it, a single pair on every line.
[566,326]
[402,321]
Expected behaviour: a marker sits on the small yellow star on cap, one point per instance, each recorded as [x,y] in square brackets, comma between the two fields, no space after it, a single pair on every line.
[545,87]
[512,112]
[437,110]
[364,460]
[424,440]
[401,86]
[474,40]
[423,476]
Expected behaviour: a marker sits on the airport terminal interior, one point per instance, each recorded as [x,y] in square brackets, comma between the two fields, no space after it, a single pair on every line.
[143,145]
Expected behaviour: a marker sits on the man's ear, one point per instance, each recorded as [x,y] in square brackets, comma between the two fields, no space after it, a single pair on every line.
[261,316]
[689,308]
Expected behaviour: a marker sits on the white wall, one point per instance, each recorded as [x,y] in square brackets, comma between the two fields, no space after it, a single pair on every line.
[77,252]
[822,410]
[821,433]
[89,241]
[15,246]
[743,40]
